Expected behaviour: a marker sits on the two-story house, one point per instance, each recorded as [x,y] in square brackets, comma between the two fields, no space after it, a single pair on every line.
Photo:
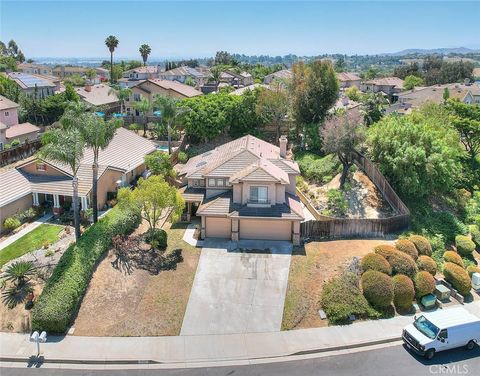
[32,68]
[36,85]
[181,74]
[244,189]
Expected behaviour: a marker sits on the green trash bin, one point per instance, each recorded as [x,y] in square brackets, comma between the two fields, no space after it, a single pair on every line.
[428,301]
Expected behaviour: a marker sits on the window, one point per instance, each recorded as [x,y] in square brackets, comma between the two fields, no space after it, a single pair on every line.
[6,113]
[211,182]
[220,183]
[259,195]
[41,167]
[136,97]
[443,334]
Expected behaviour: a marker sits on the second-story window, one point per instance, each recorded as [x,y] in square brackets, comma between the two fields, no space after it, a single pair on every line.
[7,113]
[211,182]
[220,183]
[259,195]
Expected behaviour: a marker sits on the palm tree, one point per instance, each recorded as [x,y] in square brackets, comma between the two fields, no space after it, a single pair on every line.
[145,51]
[66,145]
[216,75]
[122,93]
[112,43]
[170,113]
[19,272]
[97,134]
[143,106]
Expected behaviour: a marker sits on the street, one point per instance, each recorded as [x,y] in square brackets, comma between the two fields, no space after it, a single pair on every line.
[391,361]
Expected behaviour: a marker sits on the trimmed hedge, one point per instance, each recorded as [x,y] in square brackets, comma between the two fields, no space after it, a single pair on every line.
[406,246]
[403,291]
[422,244]
[472,269]
[157,238]
[373,261]
[465,245]
[424,284]
[400,262]
[427,264]
[377,288]
[64,290]
[451,256]
[458,277]
[475,232]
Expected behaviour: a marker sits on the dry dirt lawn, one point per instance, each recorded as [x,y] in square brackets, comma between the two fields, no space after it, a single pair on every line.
[311,266]
[136,302]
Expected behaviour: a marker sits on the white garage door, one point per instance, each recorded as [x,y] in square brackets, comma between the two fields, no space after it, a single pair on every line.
[218,227]
[267,230]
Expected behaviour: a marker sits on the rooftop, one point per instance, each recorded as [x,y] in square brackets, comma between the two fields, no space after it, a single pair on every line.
[419,96]
[20,130]
[348,76]
[98,95]
[185,90]
[6,103]
[27,81]
[386,81]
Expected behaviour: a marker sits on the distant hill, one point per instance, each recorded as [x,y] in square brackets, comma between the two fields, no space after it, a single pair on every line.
[439,51]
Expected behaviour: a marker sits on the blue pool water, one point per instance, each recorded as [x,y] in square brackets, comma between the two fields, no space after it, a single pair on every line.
[162,148]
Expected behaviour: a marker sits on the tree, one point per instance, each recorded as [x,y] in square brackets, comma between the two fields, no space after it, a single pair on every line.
[216,73]
[412,81]
[372,107]
[159,164]
[91,75]
[341,135]
[446,94]
[122,93]
[407,70]
[466,119]
[340,64]
[9,89]
[143,106]
[190,82]
[371,73]
[273,105]
[97,134]
[111,42]
[152,197]
[224,58]
[145,50]
[353,93]
[171,113]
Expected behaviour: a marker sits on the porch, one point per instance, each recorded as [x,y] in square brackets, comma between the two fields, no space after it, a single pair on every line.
[58,202]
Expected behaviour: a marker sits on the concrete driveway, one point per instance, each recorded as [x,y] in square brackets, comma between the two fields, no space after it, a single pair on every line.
[238,290]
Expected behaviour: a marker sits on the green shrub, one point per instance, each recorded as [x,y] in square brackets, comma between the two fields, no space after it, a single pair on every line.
[422,244]
[11,223]
[157,238]
[427,264]
[424,284]
[406,246]
[472,269]
[316,168]
[341,297]
[15,143]
[451,256]
[337,204]
[475,232]
[134,127]
[403,291]
[377,288]
[400,262]
[373,261]
[458,277]
[64,290]
[182,157]
[465,245]
[27,216]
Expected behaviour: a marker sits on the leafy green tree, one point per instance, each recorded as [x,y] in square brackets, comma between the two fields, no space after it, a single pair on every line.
[122,93]
[144,50]
[446,94]
[406,70]
[340,64]
[273,106]
[216,73]
[159,164]
[112,43]
[190,82]
[466,119]
[372,107]
[371,73]
[171,114]
[9,89]
[143,106]
[224,58]
[91,75]
[412,81]
[353,93]
[243,116]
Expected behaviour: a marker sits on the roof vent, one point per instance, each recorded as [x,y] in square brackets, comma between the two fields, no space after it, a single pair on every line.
[202,163]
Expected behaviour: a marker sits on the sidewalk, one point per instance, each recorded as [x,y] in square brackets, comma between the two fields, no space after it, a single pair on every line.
[178,351]
[25,230]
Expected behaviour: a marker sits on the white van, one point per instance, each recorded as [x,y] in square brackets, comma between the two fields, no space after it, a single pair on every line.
[442,330]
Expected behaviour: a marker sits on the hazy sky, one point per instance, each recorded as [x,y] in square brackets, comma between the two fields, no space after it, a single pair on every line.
[70,28]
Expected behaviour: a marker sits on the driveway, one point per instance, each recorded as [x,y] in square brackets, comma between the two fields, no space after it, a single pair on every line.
[238,290]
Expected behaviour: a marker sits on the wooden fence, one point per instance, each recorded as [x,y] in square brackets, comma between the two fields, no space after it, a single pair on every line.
[20,152]
[324,227]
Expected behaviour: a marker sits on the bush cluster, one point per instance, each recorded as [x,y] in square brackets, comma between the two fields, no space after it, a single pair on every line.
[377,288]
[11,223]
[475,232]
[458,277]
[316,168]
[403,291]
[451,256]
[424,284]
[427,264]
[374,261]
[400,262]
[465,246]
[422,244]
[156,237]
[64,290]
[406,246]
[472,269]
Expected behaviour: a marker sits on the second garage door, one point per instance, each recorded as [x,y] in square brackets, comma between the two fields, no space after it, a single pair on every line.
[267,230]
[218,227]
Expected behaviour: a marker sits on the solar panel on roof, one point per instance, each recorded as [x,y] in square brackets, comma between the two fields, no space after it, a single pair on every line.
[31,81]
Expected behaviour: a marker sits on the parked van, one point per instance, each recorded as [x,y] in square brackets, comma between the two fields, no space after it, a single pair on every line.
[442,330]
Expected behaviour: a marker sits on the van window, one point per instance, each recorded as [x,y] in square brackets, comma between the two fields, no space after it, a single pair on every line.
[426,327]
[443,334]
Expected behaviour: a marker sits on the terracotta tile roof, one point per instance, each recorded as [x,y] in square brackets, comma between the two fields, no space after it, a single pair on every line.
[98,95]
[192,194]
[263,170]
[419,96]
[386,81]
[151,69]
[348,76]
[21,130]
[185,90]
[182,71]
[6,103]
[13,185]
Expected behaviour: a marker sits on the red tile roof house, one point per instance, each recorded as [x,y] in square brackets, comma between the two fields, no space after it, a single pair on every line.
[244,189]
[10,129]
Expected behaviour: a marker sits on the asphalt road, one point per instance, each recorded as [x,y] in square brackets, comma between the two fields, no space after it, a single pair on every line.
[391,361]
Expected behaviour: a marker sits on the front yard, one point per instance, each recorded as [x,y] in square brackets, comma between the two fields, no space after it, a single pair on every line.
[131,301]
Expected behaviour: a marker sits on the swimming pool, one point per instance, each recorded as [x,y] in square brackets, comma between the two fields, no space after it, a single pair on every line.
[163,148]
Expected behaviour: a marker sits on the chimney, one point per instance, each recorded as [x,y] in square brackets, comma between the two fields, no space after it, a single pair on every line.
[283,146]
[88,87]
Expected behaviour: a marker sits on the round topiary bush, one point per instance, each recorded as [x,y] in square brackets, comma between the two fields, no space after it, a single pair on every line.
[424,284]
[374,261]
[403,291]
[451,256]
[427,264]
[472,269]
[406,246]
[377,288]
[475,232]
[422,244]
[11,223]
[157,238]
[465,245]
[458,277]
[400,262]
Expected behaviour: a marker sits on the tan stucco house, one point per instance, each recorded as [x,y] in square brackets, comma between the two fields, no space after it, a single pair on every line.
[244,189]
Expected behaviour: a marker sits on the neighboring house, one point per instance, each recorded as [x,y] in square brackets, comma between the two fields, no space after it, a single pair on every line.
[142,73]
[244,189]
[100,95]
[281,75]
[10,130]
[348,79]
[35,84]
[236,80]
[242,90]
[63,72]
[36,182]
[31,68]
[386,85]
[181,74]
[150,88]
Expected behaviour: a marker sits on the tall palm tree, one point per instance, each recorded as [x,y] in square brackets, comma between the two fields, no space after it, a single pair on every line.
[171,113]
[145,51]
[216,75]
[111,42]
[143,106]
[122,93]
[97,134]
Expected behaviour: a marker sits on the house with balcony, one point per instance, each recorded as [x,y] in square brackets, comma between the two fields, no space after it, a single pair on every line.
[244,189]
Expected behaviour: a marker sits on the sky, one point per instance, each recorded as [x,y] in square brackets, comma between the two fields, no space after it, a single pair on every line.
[183,29]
